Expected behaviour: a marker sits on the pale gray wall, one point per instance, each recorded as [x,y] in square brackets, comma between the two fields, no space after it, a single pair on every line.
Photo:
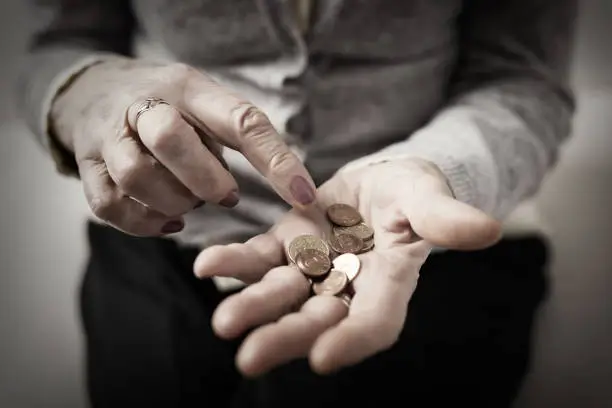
[42,248]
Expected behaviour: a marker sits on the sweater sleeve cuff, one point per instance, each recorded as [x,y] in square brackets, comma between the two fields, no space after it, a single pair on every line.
[64,160]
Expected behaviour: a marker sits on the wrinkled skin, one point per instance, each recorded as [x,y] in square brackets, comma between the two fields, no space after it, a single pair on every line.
[409,205]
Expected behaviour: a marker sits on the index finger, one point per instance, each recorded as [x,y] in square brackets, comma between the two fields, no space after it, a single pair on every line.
[240,125]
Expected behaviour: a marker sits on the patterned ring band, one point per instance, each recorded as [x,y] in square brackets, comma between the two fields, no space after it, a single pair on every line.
[147,105]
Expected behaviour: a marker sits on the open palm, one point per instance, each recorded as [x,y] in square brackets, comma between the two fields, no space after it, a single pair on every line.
[410,208]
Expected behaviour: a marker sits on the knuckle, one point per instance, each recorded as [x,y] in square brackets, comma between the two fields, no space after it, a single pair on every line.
[289,282]
[254,127]
[136,220]
[170,123]
[130,173]
[281,161]
[210,187]
[267,246]
[103,206]
[249,122]
[179,72]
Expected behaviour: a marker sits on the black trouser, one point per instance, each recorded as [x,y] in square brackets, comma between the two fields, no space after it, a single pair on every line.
[149,341]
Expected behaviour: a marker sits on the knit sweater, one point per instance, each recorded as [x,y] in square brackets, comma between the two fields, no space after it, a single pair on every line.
[478,87]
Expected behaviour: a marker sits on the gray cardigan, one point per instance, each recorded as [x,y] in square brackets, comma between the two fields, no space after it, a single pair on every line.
[477,86]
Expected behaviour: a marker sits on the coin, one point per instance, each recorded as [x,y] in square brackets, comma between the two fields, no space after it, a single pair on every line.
[303,242]
[312,262]
[349,264]
[343,215]
[367,245]
[334,284]
[360,230]
[345,243]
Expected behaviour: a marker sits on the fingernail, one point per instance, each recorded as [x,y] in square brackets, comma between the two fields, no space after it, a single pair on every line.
[231,200]
[199,204]
[173,226]
[301,190]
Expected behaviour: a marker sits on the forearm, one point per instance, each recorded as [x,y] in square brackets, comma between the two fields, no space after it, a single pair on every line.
[510,107]
[494,144]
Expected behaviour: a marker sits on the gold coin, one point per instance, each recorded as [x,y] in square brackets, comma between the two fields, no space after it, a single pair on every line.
[302,242]
[312,262]
[343,215]
[332,285]
[345,243]
[360,230]
[349,264]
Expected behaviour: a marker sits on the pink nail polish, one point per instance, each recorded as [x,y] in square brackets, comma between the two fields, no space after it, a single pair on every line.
[231,200]
[172,227]
[302,191]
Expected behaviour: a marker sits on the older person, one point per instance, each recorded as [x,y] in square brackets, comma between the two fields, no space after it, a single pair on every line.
[199,130]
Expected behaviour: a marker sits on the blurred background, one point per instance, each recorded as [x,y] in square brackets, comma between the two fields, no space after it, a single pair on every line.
[43,249]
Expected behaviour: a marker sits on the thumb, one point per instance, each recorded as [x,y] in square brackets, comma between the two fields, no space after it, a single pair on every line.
[448,223]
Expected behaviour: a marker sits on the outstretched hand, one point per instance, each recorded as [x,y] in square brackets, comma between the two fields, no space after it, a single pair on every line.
[409,205]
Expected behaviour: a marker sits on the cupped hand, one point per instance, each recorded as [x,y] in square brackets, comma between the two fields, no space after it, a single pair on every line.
[141,173]
[411,209]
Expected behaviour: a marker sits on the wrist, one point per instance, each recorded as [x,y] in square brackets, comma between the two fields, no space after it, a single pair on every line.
[417,163]
[454,173]
[60,131]
[71,99]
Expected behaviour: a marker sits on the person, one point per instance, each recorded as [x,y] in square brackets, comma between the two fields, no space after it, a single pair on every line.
[207,135]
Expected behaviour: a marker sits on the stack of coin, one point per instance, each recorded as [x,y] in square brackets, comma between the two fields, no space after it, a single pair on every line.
[349,233]
[332,266]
